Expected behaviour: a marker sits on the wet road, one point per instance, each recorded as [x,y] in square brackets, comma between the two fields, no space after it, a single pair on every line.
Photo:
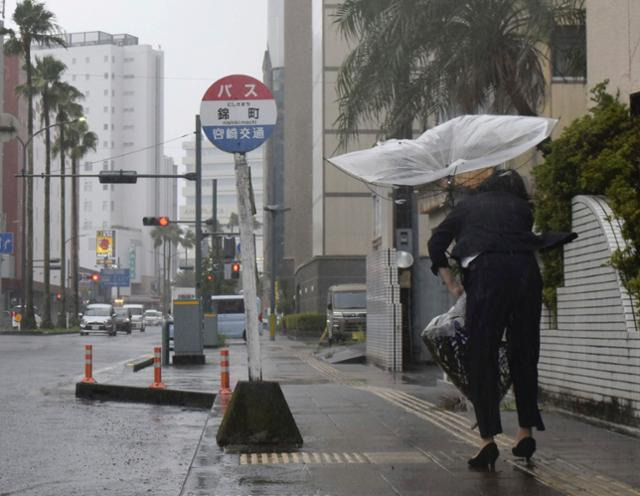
[53,443]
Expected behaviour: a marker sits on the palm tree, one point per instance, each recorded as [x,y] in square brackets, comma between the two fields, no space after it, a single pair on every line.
[35,24]
[67,110]
[167,236]
[188,240]
[417,58]
[47,73]
[81,141]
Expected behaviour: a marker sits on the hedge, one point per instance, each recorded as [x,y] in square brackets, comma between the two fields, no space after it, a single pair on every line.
[305,323]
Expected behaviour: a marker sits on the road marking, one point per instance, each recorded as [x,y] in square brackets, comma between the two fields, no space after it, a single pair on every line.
[548,469]
[331,458]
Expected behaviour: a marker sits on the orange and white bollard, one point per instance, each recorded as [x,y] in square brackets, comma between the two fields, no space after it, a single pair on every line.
[88,364]
[157,369]
[224,372]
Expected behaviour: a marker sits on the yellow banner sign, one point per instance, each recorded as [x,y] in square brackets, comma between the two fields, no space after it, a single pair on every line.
[105,244]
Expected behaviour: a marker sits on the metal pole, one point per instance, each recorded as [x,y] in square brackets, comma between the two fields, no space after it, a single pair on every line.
[198,268]
[23,232]
[272,314]
[248,260]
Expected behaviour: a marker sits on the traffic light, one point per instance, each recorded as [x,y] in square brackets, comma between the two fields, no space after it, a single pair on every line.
[58,296]
[210,277]
[156,221]
[118,177]
[235,270]
[94,277]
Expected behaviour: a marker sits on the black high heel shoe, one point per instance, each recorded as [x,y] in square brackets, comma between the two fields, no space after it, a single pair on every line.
[486,458]
[525,448]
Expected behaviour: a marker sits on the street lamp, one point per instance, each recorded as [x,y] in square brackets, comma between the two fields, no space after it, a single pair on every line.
[273,210]
[28,267]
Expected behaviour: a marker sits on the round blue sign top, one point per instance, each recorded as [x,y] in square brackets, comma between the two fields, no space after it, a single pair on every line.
[238,113]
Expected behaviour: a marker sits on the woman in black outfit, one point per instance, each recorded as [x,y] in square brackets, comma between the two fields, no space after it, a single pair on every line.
[495,248]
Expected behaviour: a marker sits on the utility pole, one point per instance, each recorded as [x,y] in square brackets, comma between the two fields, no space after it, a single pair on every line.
[248,257]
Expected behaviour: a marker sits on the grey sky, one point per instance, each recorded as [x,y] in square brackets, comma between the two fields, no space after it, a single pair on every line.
[202,41]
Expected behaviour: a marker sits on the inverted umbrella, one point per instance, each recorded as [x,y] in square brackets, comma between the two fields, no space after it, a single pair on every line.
[462,144]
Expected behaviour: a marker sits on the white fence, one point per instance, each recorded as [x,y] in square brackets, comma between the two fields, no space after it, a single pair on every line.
[591,362]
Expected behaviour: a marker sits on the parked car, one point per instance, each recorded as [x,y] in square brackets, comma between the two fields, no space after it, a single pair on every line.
[136,315]
[231,316]
[346,310]
[122,319]
[98,317]
[152,318]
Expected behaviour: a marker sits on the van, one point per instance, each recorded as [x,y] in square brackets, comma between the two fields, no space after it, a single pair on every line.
[346,310]
[136,312]
[231,316]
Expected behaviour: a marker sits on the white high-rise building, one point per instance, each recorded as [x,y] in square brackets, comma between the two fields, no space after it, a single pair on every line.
[219,165]
[122,82]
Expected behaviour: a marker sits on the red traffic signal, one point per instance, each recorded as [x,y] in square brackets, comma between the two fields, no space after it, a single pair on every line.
[210,277]
[235,270]
[94,277]
[58,296]
[156,221]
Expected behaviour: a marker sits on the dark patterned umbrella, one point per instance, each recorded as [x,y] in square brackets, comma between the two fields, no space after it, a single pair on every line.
[447,341]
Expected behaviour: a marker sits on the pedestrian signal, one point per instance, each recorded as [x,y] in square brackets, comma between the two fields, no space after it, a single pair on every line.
[156,221]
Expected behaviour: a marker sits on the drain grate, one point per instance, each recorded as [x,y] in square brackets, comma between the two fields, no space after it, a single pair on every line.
[315,458]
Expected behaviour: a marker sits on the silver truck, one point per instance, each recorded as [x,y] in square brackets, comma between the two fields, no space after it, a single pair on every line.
[346,310]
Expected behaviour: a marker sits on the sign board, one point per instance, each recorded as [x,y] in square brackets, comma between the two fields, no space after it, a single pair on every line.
[6,243]
[238,113]
[105,244]
[115,277]
[132,261]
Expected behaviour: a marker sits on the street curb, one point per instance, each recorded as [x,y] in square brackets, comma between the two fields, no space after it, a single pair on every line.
[132,394]
[142,363]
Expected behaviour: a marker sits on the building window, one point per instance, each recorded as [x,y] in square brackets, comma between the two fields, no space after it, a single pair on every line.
[87,93]
[87,206]
[106,92]
[86,225]
[105,165]
[113,110]
[106,75]
[113,59]
[105,144]
[113,164]
[106,58]
[105,127]
[87,77]
[87,186]
[73,77]
[128,143]
[568,53]
[87,60]
[73,60]
[105,187]
[88,167]
[105,205]
[113,206]
[105,109]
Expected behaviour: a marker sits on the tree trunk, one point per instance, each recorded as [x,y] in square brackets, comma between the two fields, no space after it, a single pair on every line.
[46,311]
[62,316]
[29,320]
[75,265]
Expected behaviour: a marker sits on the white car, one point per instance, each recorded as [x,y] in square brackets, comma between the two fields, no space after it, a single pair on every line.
[152,318]
[98,317]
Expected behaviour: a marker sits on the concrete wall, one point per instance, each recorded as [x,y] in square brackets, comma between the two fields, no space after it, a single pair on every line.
[613,34]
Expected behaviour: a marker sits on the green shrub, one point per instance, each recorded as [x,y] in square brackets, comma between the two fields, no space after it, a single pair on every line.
[305,323]
[595,155]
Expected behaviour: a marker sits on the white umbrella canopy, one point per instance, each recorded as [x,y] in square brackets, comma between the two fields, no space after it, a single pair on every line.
[463,144]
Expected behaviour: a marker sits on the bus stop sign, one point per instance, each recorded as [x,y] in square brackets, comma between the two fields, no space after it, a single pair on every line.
[238,113]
